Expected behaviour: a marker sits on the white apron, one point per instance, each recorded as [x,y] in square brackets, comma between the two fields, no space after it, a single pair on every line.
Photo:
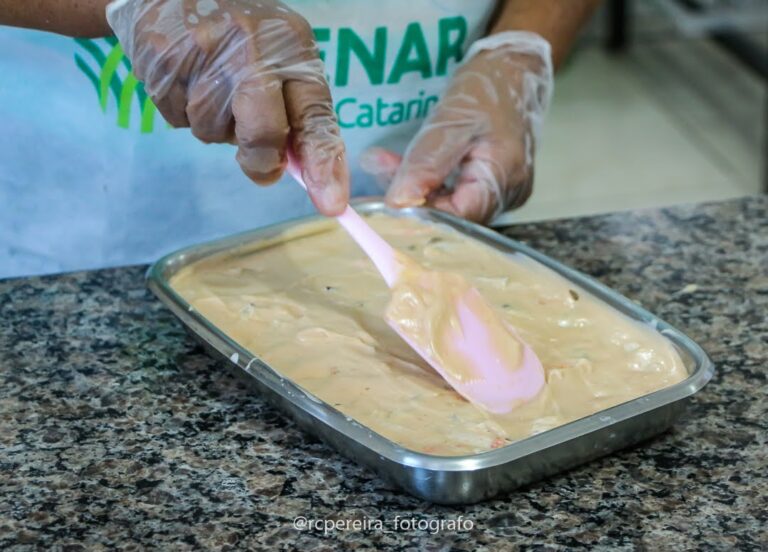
[91,176]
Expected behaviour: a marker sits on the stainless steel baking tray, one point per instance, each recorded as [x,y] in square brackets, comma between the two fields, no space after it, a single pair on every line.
[446,479]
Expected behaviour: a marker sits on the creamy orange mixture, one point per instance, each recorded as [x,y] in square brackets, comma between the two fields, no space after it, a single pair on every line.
[312,307]
[423,305]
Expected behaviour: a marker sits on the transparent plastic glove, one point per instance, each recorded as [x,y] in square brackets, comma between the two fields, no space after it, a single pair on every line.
[240,71]
[482,133]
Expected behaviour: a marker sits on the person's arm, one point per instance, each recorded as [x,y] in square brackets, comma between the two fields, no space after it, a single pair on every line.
[557,21]
[76,18]
[234,71]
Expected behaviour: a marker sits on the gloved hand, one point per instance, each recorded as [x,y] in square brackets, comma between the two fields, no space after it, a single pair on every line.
[240,71]
[483,131]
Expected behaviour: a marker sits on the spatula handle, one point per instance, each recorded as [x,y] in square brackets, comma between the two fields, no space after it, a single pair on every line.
[379,251]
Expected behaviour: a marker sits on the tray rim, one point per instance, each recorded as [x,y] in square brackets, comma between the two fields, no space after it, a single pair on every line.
[158,281]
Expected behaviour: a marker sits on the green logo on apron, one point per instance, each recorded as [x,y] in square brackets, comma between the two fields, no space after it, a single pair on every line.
[113,76]
[127,91]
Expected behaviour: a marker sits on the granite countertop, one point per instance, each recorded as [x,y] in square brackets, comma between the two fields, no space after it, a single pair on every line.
[116,429]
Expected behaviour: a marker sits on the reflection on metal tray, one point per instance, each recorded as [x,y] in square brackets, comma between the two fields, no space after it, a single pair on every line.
[446,479]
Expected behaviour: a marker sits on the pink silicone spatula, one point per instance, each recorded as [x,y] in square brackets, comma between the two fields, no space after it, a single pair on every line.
[495,385]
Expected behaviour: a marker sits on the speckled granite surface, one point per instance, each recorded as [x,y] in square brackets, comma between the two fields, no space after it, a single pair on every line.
[116,430]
